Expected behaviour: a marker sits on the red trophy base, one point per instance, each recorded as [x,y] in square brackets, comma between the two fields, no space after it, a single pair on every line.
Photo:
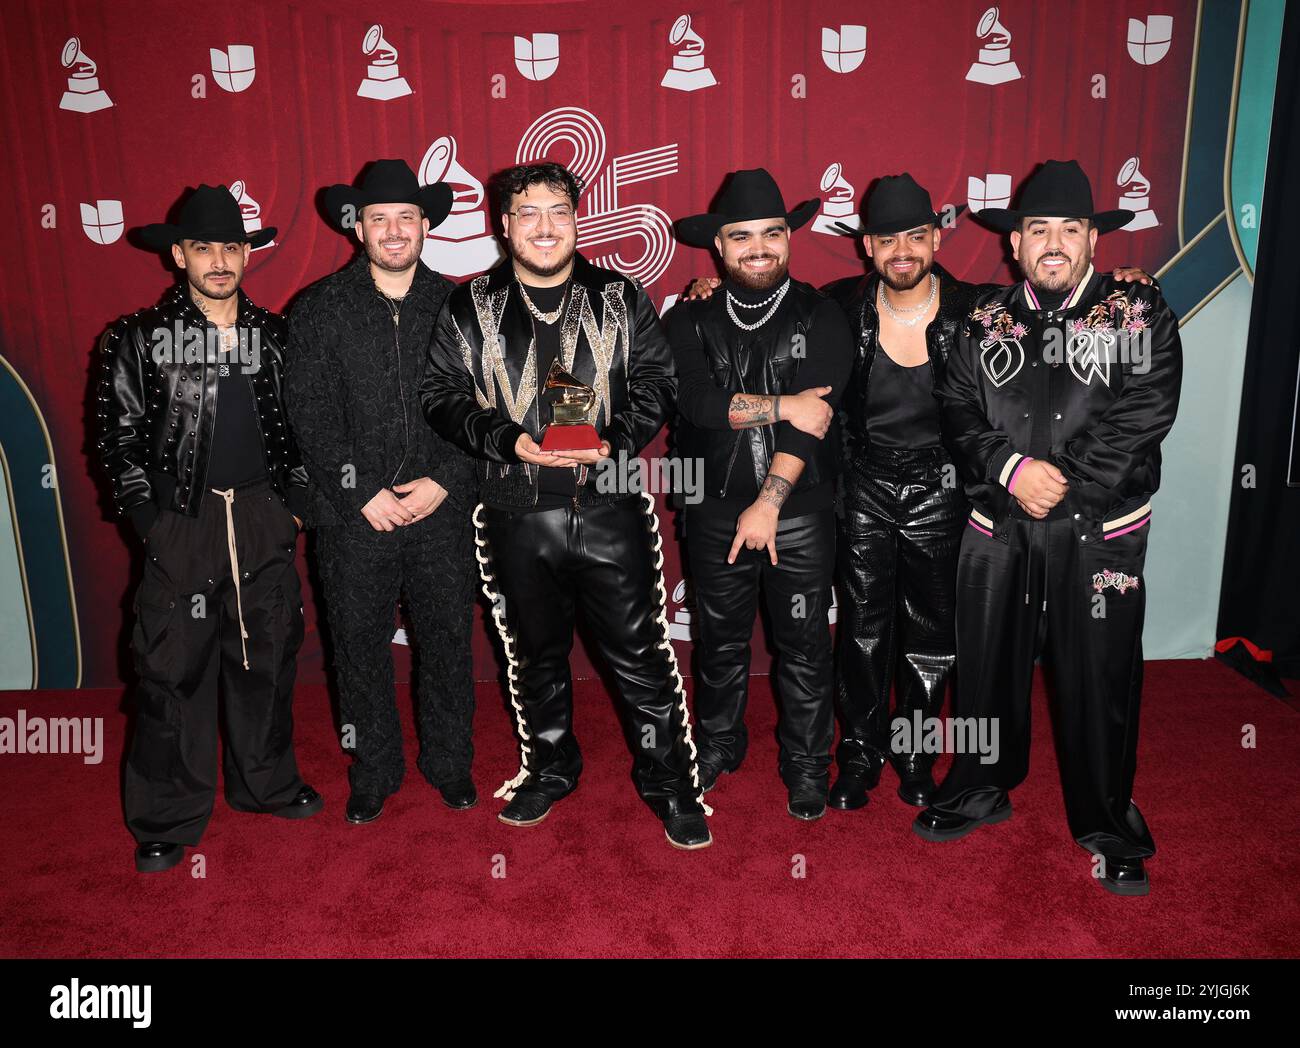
[572,436]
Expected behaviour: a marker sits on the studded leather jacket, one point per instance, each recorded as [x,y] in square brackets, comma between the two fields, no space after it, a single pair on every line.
[858,296]
[481,388]
[1091,386]
[157,405]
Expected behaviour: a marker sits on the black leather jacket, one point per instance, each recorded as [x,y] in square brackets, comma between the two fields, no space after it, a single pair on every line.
[767,362]
[352,393]
[858,296]
[1008,395]
[157,411]
[483,405]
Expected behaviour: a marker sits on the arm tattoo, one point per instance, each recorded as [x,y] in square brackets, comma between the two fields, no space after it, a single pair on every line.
[747,410]
[775,490]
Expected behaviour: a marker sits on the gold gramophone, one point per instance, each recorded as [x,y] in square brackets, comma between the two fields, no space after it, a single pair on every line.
[570,402]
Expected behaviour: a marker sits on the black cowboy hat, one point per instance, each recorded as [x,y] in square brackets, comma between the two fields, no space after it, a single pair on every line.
[211,214]
[387,182]
[1058,189]
[748,195]
[894,204]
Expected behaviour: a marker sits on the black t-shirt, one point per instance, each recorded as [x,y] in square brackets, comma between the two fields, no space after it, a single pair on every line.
[556,486]
[236,455]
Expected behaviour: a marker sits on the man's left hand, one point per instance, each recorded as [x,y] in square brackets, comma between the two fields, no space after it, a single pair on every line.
[1132,274]
[587,458]
[421,496]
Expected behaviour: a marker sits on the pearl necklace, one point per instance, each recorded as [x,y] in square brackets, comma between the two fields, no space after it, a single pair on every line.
[921,309]
[775,298]
[545,318]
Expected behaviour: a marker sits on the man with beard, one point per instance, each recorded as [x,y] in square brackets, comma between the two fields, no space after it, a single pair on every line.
[903,512]
[1055,403]
[192,434]
[552,540]
[761,369]
[390,499]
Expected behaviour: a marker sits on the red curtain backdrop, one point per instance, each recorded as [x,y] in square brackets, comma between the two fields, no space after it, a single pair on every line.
[798,88]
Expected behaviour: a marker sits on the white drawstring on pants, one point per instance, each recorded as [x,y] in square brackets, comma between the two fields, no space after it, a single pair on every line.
[229,497]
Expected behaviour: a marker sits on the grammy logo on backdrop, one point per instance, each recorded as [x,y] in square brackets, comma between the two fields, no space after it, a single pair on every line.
[84,95]
[250,211]
[994,65]
[1135,197]
[382,82]
[689,73]
[460,244]
[839,210]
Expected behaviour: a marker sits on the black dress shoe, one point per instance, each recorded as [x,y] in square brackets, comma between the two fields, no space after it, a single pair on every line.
[156,856]
[364,807]
[915,783]
[306,803]
[807,802]
[526,808]
[688,831]
[1124,876]
[460,794]
[935,825]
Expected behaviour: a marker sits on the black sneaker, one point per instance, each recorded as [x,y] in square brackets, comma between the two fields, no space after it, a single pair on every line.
[526,808]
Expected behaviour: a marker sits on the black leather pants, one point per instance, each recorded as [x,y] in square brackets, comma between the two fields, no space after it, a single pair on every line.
[1036,587]
[797,592]
[543,567]
[896,573]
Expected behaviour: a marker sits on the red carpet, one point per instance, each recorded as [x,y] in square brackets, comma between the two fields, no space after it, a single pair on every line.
[599,879]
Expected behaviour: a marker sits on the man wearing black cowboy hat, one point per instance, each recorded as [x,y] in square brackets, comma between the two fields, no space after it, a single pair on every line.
[554,541]
[192,433]
[1055,403]
[389,499]
[903,512]
[761,368]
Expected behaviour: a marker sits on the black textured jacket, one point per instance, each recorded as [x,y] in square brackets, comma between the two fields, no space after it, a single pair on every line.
[157,406]
[481,391]
[1030,383]
[352,392]
[858,296]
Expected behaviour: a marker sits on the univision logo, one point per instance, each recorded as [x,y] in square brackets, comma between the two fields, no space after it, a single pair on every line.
[102,221]
[234,68]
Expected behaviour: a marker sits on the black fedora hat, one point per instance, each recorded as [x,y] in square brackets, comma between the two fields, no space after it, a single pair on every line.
[895,203]
[749,195]
[1058,189]
[210,213]
[387,182]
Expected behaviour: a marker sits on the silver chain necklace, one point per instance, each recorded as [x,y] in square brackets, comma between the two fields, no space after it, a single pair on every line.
[545,318]
[919,310]
[775,298]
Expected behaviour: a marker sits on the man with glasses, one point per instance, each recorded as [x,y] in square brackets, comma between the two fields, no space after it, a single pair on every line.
[553,543]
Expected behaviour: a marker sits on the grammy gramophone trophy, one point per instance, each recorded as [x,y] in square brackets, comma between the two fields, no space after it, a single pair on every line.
[570,402]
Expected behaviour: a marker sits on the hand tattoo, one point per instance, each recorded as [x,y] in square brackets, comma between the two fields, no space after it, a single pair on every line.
[746,411]
[775,490]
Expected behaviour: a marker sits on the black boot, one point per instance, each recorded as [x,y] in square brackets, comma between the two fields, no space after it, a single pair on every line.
[459,795]
[1124,876]
[934,825]
[526,808]
[807,801]
[856,779]
[156,856]
[915,783]
[306,803]
[364,807]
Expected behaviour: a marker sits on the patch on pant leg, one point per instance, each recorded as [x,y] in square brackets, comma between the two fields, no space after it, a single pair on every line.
[1115,580]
